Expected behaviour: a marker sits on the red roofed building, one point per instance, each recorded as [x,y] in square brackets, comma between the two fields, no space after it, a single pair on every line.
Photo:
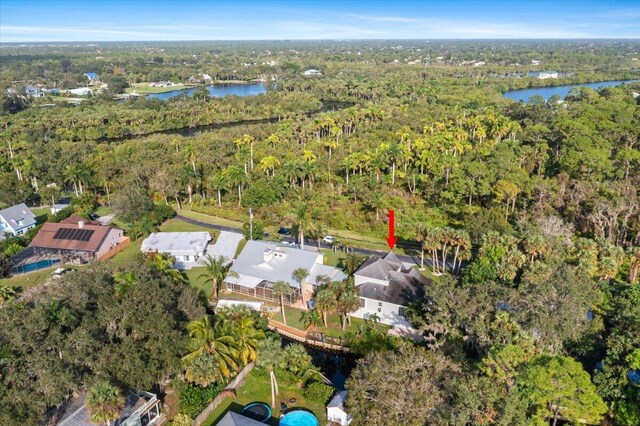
[78,240]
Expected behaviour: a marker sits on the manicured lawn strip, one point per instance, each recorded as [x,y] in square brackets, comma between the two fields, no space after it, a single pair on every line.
[257,388]
[103,211]
[29,280]
[241,245]
[214,220]
[144,88]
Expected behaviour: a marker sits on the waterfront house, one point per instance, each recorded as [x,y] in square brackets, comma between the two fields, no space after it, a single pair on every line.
[139,409]
[261,264]
[77,240]
[386,287]
[16,220]
[185,247]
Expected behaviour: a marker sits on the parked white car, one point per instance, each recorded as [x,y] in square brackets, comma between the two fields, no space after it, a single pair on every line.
[329,239]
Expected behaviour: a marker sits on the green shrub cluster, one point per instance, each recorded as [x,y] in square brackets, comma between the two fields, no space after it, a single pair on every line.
[194,398]
[318,392]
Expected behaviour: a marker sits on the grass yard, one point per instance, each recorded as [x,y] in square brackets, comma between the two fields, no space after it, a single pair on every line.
[29,280]
[214,220]
[145,89]
[333,323]
[258,388]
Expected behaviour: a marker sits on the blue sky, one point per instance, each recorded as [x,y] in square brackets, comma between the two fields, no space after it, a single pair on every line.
[50,20]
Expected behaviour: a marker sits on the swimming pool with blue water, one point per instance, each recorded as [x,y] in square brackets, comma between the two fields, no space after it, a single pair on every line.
[299,418]
[30,267]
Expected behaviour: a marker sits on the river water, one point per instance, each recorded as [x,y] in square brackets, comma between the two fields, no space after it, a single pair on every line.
[523,95]
[216,91]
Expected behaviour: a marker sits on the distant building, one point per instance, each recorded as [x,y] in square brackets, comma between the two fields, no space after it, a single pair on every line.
[207,78]
[312,72]
[34,92]
[386,287]
[16,220]
[139,409]
[60,205]
[186,247]
[93,77]
[535,62]
[80,91]
[336,412]
[542,75]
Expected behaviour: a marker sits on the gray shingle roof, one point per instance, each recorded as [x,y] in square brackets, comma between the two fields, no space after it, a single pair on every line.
[235,419]
[338,399]
[18,216]
[405,284]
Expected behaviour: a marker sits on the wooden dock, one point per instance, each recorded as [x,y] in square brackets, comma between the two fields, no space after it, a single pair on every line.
[303,337]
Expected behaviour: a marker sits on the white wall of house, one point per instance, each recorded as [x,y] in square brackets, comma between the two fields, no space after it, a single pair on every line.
[388,313]
[337,415]
[113,238]
[5,228]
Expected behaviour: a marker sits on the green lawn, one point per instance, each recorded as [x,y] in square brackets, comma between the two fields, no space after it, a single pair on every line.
[215,220]
[145,89]
[333,328]
[29,280]
[103,211]
[258,388]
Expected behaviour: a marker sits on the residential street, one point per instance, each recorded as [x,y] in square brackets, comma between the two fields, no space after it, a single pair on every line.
[308,242]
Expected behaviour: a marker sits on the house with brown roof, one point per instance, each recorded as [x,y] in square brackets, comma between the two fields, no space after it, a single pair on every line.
[386,287]
[77,240]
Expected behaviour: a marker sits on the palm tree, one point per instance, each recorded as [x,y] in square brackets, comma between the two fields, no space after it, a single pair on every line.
[268,164]
[217,182]
[310,318]
[236,177]
[247,338]
[104,403]
[348,302]
[302,222]
[297,360]
[299,275]
[325,303]
[189,177]
[216,269]
[214,348]
[164,264]
[271,356]
[280,289]
[72,174]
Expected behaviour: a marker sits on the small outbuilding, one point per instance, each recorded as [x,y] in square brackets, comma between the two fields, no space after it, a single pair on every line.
[336,411]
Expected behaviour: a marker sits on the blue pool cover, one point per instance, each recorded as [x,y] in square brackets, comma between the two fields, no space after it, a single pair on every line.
[257,411]
[299,418]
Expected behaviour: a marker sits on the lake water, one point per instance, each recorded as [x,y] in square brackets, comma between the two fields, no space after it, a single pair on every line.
[562,91]
[216,91]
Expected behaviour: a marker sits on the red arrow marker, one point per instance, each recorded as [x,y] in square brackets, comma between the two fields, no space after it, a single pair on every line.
[391,239]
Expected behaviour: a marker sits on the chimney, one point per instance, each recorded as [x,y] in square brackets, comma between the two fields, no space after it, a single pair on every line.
[80,224]
[267,255]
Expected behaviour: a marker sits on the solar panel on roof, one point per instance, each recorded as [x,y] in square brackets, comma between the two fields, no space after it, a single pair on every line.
[73,234]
